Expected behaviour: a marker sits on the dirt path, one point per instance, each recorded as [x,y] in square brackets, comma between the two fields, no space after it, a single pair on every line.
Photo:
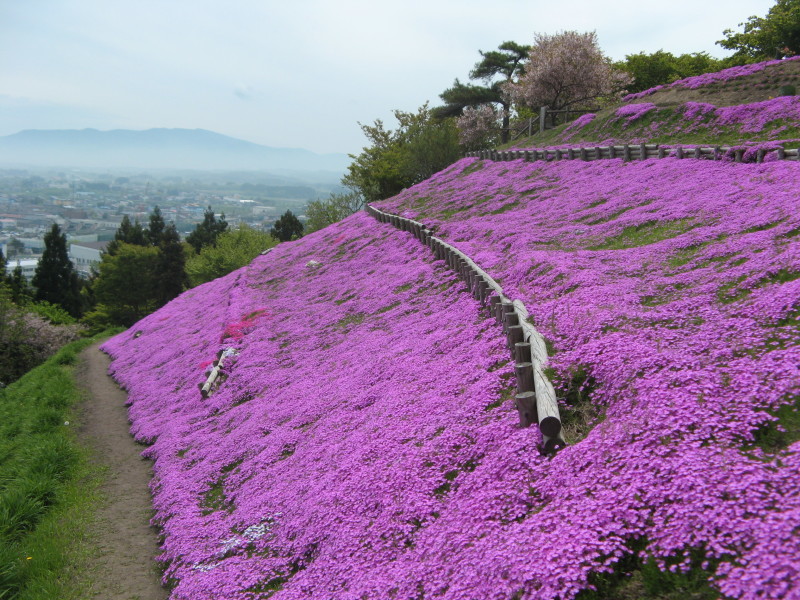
[127,569]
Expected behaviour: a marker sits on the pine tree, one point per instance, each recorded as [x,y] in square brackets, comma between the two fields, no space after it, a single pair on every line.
[287,227]
[127,233]
[205,234]
[55,279]
[155,232]
[171,273]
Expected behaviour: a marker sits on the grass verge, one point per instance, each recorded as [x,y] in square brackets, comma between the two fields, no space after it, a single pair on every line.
[49,490]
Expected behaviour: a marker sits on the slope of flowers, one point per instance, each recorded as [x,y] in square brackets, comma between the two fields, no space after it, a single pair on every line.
[774,119]
[671,291]
[705,79]
[361,444]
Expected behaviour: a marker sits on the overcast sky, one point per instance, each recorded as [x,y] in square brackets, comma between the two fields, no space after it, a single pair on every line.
[295,73]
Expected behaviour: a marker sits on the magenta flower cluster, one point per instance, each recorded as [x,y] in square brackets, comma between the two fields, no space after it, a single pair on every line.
[709,78]
[675,287]
[632,112]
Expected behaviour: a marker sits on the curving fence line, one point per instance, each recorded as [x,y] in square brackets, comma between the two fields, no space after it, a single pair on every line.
[535,399]
[637,152]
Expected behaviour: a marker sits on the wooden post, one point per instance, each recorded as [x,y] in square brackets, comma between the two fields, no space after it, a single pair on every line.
[598,152]
[698,153]
[542,117]
[514,335]
[510,319]
[679,152]
[642,151]
[584,154]
[626,153]
[738,155]
[781,153]
[522,352]
[760,155]
[505,306]
[558,154]
[662,152]
[524,374]
[494,302]
[526,405]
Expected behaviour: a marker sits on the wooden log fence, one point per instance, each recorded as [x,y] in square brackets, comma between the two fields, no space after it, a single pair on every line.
[629,152]
[535,398]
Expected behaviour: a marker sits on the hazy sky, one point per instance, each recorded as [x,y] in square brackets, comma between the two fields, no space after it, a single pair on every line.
[296,73]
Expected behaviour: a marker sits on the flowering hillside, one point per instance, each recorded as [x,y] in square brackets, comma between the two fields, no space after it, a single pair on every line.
[360,443]
[670,292]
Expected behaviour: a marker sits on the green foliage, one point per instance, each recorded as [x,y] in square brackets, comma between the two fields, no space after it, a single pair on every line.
[47,490]
[659,68]
[235,249]
[127,233]
[206,232]
[321,213]
[140,271]
[774,36]
[395,160]
[507,62]
[288,227]
[125,288]
[52,312]
[170,274]
[55,279]
[156,231]
[18,287]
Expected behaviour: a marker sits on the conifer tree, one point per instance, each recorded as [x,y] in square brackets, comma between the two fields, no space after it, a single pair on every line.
[127,233]
[171,273]
[205,234]
[55,279]
[287,227]
[155,231]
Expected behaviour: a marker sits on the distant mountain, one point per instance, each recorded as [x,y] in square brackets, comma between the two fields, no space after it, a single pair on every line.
[156,148]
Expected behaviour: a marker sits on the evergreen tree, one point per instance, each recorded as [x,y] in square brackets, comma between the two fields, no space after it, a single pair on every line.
[205,234]
[55,279]
[287,227]
[20,290]
[125,288]
[155,231]
[507,62]
[171,271]
[2,266]
[127,233]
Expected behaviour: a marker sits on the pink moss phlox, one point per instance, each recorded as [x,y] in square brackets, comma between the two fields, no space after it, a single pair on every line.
[633,112]
[673,285]
[361,447]
[708,78]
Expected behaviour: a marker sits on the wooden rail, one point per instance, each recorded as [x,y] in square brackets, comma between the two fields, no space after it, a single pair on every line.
[632,152]
[535,399]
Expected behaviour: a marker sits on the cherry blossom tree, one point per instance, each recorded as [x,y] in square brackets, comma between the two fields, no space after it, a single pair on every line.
[479,126]
[566,70]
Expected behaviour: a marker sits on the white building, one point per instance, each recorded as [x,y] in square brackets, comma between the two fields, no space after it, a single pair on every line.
[85,255]
[28,266]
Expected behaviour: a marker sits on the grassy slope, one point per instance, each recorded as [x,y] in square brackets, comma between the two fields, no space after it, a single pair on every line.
[48,489]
